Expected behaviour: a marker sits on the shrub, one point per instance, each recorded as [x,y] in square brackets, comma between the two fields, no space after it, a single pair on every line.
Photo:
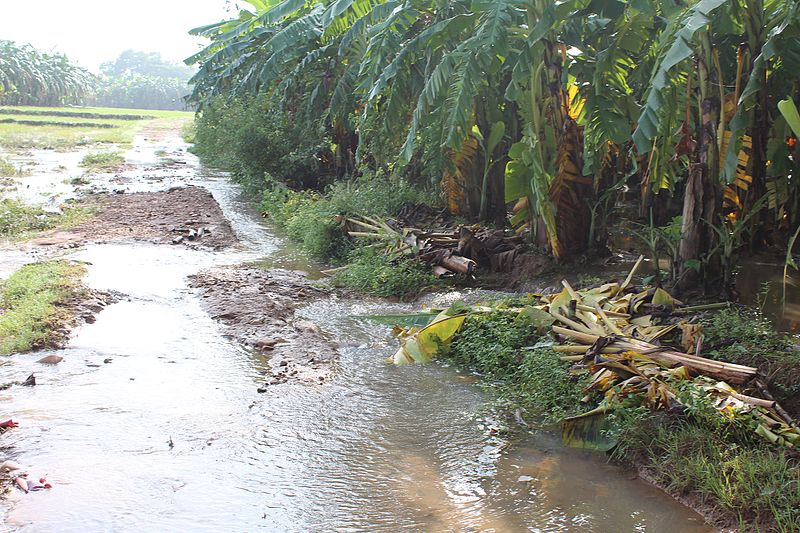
[255,141]
[497,345]
[373,273]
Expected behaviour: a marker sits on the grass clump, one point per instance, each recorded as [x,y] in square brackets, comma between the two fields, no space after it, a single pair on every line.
[498,346]
[16,218]
[722,464]
[19,220]
[32,304]
[8,170]
[743,336]
[102,160]
[373,273]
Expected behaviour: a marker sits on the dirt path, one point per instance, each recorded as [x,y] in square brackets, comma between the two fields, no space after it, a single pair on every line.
[189,216]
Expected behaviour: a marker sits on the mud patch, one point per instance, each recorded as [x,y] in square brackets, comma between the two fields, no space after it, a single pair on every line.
[258,309]
[188,216]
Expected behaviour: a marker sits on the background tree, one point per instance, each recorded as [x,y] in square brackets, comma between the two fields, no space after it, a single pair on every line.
[31,77]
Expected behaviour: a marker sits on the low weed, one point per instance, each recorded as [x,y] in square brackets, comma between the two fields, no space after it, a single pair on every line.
[373,273]
[102,160]
[32,301]
[743,336]
[723,465]
[18,220]
[8,170]
[498,346]
[309,216]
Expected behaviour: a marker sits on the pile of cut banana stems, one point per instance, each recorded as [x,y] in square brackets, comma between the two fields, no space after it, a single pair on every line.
[440,248]
[613,333]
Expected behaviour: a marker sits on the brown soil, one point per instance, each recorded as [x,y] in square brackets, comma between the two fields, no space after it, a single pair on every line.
[258,308]
[186,216]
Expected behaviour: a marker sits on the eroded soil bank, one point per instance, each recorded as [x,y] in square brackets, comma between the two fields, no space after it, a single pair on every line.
[258,309]
[181,215]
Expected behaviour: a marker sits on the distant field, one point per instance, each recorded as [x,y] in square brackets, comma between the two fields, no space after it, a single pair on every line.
[62,128]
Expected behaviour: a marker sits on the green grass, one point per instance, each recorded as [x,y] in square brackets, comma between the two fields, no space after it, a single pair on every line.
[19,221]
[373,273]
[726,467]
[497,345]
[743,336]
[15,136]
[719,462]
[8,170]
[102,160]
[309,217]
[32,304]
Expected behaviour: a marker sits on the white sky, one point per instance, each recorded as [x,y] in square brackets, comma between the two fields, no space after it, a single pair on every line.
[93,31]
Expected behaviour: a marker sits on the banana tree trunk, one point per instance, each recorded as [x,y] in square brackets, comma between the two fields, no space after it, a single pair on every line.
[701,200]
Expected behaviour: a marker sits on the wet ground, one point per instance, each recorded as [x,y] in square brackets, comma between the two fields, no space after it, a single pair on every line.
[154,422]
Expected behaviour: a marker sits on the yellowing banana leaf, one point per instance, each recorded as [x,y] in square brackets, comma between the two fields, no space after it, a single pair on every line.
[560,302]
[423,346]
[588,431]
[662,297]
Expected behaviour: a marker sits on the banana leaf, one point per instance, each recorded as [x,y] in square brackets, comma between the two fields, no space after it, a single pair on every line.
[589,431]
[422,347]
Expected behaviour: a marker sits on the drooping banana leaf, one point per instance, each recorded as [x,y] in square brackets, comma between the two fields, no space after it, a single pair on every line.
[422,347]
[588,431]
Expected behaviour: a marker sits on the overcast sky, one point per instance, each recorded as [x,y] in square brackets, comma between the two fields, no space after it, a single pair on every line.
[93,31]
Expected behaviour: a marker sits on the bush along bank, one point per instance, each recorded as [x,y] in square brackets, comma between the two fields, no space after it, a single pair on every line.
[615,367]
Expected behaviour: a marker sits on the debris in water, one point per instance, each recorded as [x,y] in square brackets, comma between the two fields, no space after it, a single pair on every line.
[50,360]
[8,424]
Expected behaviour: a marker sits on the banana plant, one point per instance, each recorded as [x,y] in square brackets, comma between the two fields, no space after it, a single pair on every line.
[30,77]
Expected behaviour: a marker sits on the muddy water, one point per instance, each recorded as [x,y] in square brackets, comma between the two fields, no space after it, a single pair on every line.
[153,423]
[761,283]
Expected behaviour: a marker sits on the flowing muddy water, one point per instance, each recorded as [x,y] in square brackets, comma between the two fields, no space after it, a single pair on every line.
[152,423]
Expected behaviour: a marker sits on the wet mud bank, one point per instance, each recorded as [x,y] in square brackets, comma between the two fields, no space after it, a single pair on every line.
[187,216]
[258,309]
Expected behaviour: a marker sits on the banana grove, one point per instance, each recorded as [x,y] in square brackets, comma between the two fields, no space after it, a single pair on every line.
[546,116]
